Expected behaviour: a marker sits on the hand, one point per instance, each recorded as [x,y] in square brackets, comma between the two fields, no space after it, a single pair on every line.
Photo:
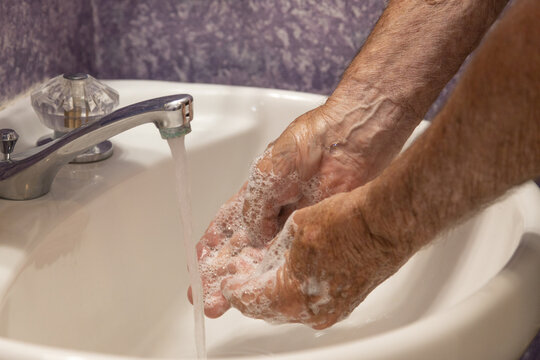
[319,268]
[310,161]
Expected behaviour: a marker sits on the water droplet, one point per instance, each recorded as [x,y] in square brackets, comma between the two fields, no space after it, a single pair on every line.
[333,147]
[228,231]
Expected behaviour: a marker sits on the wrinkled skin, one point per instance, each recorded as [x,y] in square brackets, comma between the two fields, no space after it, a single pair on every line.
[334,262]
[331,259]
[309,151]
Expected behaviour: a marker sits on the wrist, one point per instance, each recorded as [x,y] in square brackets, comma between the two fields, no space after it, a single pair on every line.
[388,223]
[361,92]
[367,123]
[357,107]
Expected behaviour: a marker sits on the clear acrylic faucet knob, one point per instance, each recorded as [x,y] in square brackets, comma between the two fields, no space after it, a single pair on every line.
[69,101]
[9,138]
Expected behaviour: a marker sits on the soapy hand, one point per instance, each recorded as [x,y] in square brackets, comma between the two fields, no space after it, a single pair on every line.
[319,268]
[310,161]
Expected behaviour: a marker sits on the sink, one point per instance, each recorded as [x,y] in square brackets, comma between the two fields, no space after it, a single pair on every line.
[96,270]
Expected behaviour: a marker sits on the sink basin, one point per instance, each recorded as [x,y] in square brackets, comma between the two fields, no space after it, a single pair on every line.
[96,269]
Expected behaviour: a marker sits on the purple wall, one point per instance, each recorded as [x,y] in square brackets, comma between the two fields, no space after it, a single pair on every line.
[40,39]
[300,45]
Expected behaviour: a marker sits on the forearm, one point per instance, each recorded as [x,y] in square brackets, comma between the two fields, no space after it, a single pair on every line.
[413,51]
[484,141]
[416,47]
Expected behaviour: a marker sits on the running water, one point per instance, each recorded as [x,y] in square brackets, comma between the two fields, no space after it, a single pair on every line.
[183,190]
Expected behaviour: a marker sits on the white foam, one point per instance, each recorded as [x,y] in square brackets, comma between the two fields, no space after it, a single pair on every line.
[231,222]
[275,255]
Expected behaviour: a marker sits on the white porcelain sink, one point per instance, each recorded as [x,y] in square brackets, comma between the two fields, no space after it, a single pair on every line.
[96,269]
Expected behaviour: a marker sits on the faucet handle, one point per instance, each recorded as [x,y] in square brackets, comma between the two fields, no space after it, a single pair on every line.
[9,138]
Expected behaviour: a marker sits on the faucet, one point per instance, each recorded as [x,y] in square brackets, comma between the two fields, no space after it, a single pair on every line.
[29,175]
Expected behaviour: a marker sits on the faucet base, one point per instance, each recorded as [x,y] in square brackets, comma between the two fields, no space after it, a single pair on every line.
[99,152]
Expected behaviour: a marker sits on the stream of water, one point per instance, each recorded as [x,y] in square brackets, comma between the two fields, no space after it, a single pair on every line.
[183,190]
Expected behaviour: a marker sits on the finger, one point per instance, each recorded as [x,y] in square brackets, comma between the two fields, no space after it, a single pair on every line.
[211,238]
[215,305]
[252,296]
[270,296]
[263,202]
[234,257]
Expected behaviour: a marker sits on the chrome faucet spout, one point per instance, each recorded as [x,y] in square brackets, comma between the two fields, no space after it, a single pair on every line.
[29,175]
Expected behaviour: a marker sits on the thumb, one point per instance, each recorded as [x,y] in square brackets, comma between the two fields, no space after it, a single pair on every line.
[266,195]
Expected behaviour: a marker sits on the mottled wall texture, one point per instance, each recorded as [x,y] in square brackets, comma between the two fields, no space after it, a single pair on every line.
[289,44]
[42,38]
[301,45]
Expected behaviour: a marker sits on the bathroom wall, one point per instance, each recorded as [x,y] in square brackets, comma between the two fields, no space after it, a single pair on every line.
[300,45]
[289,44]
[42,38]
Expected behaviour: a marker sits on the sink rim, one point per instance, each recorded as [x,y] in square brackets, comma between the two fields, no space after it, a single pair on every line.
[499,283]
